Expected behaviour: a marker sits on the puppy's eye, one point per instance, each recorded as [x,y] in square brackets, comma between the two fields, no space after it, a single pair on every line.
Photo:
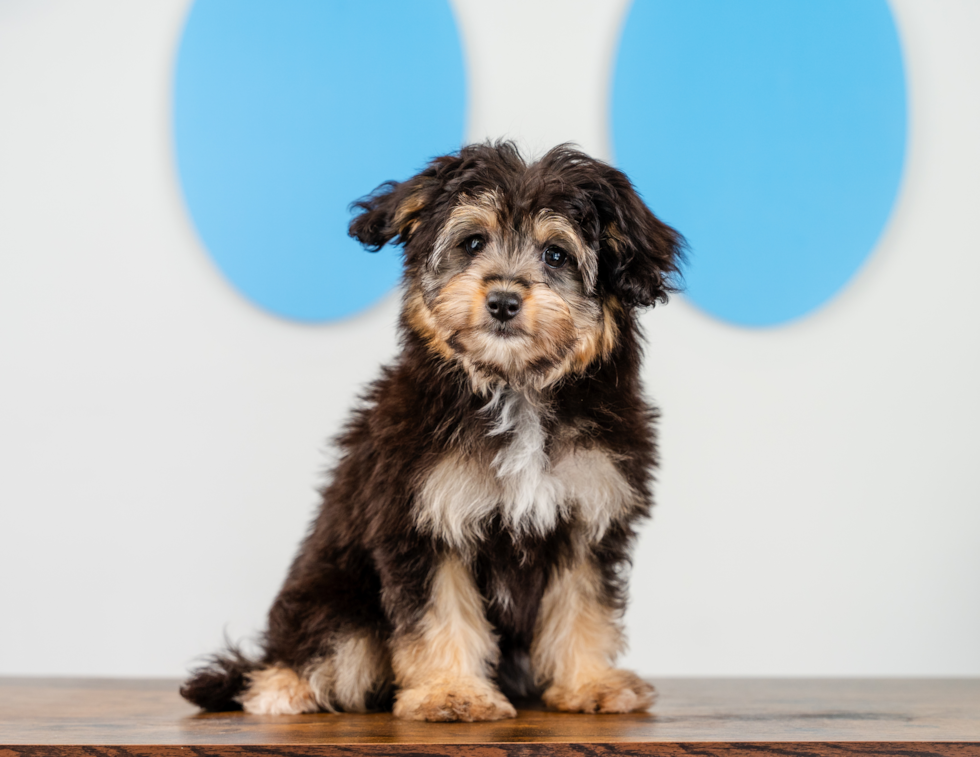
[554,257]
[472,245]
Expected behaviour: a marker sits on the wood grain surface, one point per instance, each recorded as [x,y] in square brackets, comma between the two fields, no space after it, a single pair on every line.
[692,717]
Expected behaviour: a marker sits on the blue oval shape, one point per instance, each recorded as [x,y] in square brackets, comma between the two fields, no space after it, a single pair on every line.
[771,134]
[284,113]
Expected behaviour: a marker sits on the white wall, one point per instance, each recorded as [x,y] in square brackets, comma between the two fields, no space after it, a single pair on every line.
[161,438]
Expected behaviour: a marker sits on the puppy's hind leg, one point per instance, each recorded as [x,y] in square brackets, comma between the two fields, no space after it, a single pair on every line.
[278,690]
[355,677]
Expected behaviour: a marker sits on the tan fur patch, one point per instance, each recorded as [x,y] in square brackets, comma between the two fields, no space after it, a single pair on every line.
[278,691]
[443,668]
[595,343]
[411,205]
[461,304]
[576,641]
[614,237]
[358,666]
[422,322]
[611,309]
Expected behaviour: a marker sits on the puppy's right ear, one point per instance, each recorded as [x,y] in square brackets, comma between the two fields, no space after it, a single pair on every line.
[388,212]
[394,210]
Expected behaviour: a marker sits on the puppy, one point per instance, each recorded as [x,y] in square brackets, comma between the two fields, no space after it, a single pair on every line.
[473,543]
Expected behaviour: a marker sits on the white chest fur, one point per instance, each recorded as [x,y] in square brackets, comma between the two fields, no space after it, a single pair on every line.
[523,485]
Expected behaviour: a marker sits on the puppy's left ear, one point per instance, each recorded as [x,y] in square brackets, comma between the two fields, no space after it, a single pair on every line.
[640,255]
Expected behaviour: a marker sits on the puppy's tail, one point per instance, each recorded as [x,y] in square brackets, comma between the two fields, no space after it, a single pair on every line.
[217,685]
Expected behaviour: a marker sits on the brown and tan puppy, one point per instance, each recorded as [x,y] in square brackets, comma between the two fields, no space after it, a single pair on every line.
[473,543]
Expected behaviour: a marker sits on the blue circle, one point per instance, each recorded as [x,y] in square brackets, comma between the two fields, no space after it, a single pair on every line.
[771,134]
[284,113]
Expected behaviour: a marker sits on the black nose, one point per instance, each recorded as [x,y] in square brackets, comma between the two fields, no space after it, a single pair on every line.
[503,305]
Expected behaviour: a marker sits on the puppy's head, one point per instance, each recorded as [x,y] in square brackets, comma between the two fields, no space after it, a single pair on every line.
[521,272]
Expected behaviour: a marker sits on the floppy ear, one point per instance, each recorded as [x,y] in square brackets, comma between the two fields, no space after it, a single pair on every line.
[393,211]
[640,255]
[388,212]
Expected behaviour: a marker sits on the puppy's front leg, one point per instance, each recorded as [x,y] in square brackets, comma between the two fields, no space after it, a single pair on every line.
[577,638]
[443,664]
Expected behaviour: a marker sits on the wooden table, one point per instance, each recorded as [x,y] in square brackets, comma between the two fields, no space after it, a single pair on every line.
[707,717]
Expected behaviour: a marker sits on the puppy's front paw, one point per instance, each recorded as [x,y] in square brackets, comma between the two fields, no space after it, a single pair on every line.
[610,691]
[467,700]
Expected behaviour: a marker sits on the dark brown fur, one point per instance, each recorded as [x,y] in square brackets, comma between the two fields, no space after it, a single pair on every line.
[366,566]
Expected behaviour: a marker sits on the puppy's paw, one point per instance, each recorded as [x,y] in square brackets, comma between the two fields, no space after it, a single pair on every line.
[467,700]
[278,691]
[609,691]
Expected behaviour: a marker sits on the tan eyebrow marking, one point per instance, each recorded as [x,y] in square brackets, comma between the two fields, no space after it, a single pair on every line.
[549,226]
[471,215]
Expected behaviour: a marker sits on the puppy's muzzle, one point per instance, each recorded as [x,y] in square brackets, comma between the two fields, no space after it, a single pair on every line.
[503,305]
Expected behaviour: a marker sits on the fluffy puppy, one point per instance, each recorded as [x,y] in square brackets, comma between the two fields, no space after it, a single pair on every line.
[474,540]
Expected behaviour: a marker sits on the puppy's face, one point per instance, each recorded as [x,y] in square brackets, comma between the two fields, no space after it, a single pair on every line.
[511,296]
[518,272]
